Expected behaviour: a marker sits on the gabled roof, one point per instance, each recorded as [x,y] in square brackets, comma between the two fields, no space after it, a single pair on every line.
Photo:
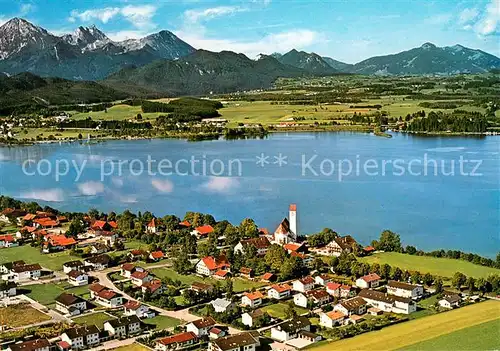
[345,242]
[334,315]
[132,305]
[268,276]
[204,322]
[307,280]
[281,288]
[75,274]
[26,268]
[216,263]
[246,270]
[254,296]
[222,303]
[333,286]
[32,345]
[259,243]
[201,286]
[185,224]
[77,332]
[61,240]
[294,325]
[178,338]
[107,294]
[153,285]
[7,238]
[283,228]
[222,273]
[101,259]
[140,275]
[124,321]
[318,294]
[353,303]
[69,299]
[237,341]
[97,287]
[401,285]
[129,267]
[157,255]
[293,247]
[152,223]
[370,277]
[204,229]
[73,264]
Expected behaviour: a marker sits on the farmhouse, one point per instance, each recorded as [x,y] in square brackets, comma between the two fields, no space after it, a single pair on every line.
[202,231]
[261,244]
[156,256]
[201,287]
[450,301]
[177,341]
[371,280]
[337,246]
[209,265]
[405,290]
[154,287]
[388,303]
[289,330]
[70,304]
[333,289]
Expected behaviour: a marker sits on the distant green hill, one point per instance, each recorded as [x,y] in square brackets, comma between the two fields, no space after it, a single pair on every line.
[204,72]
[26,91]
[309,62]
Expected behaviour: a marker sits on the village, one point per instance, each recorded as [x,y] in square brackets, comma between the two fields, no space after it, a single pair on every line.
[294,293]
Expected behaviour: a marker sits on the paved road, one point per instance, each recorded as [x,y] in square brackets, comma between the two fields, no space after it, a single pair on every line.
[184,314]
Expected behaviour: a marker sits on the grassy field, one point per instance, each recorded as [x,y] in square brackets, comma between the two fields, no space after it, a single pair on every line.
[478,337]
[97,318]
[278,310]
[238,284]
[444,267]
[162,322]
[30,254]
[425,328]
[117,112]
[133,347]
[21,315]
[47,293]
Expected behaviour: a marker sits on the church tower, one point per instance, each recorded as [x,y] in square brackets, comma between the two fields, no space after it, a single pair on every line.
[293,221]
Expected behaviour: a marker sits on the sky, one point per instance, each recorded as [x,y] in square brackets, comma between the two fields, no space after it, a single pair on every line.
[346,30]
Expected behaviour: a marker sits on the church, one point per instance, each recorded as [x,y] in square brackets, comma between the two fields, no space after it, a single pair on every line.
[287,231]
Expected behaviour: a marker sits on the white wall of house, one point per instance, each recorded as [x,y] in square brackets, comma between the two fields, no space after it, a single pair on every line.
[300,300]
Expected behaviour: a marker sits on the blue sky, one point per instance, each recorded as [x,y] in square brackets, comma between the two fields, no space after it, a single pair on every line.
[347,30]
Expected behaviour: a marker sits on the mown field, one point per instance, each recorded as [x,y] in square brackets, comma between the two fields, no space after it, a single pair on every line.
[98,318]
[478,337]
[402,335]
[278,310]
[444,267]
[133,347]
[30,254]
[116,112]
[47,293]
[162,322]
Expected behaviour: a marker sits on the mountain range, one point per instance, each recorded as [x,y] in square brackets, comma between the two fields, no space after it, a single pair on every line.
[162,62]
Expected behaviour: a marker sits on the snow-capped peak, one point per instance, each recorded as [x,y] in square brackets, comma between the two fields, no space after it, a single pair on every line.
[87,38]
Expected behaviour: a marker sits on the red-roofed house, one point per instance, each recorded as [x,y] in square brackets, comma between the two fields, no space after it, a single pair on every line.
[154,287]
[304,284]
[333,289]
[347,291]
[294,247]
[331,319]
[136,308]
[202,231]
[109,298]
[369,249]
[279,292]
[177,341]
[252,299]
[140,278]
[151,227]
[45,223]
[185,224]
[156,256]
[222,274]
[269,277]
[25,232]
[209,265]
[371,280]
[8,241]
[58,243]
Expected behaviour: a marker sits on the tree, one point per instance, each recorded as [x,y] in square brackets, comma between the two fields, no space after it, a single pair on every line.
[229,289]
[388,241]
[428,279]
[75,227]
[438,284]
[415,277]
[248,228]
[181,263]
[458,280]
[93,213]
[275,256]
[385,271]
[470,283]
[411,250]
[290,312]
[396,273]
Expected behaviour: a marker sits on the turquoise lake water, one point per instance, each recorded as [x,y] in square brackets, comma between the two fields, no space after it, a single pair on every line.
[389,186]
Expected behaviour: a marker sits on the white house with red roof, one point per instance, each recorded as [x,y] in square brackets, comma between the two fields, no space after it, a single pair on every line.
[261,244]
[304,284]
[202,231]
[333,289]
[156,256]
[151,227]
[109,298]
[331,319]
[371,280]
[138,309]
[154,287]
[209,265]
[279,292]
[140,278]
[322,279]
[177,341]
[200,327]
[252,299]
[8,240]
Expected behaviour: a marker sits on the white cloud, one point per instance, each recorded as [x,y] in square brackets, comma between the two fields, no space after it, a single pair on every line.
[140,16]
[467,15]
[488,23]
[439,19]
[25,9]
[163,186]
[118,182]
[51,195]
[221,184]
[276,42]
[91,188]
[194,16]
[126,34]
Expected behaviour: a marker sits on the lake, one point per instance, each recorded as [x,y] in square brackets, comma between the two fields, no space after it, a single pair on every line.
[436,192]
